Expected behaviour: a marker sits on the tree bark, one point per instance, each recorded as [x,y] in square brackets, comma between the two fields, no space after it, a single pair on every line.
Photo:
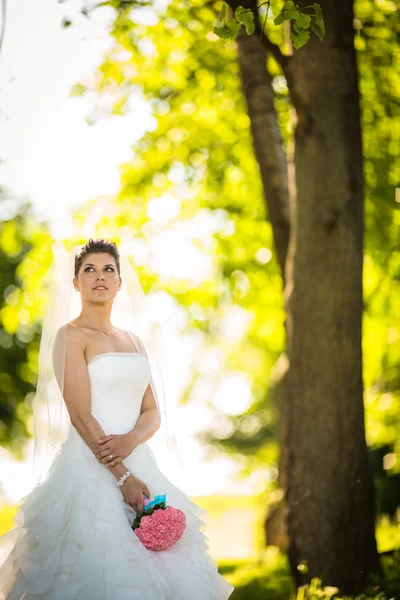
[272,160]
[330,493]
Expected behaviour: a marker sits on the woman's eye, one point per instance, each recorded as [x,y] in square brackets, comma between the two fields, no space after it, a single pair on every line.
[111,268]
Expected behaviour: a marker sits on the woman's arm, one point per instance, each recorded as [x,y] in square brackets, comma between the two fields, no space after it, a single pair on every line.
[77,394]
[123,445]
[89,429]
[149,419]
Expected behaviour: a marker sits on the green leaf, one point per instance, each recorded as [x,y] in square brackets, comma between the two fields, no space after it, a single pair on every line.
[136,522]
[221,20]
[289,5]
[286,15]
[224,32]
[280,18]
[234,26]
[246,18]
[303,21]
[299,37]
[291,14]
[317,23]
[223,13]
[318,11]
[317,29]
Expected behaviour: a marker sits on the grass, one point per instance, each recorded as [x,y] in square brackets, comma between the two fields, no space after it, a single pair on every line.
[267,576]
[271,580]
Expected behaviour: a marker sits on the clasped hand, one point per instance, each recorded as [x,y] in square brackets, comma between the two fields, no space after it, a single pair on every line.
[117,446]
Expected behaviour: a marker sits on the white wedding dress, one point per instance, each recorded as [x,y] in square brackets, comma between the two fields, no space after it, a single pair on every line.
[73,538]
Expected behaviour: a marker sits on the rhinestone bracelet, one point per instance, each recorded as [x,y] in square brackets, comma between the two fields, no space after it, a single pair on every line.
[124,478]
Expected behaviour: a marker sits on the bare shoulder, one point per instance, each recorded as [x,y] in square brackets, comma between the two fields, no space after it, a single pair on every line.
[74,331]
[133,336]
[68,351]
[74,337]
[125,332]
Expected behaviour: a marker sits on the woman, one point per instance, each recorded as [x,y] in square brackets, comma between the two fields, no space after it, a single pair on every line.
[74,539]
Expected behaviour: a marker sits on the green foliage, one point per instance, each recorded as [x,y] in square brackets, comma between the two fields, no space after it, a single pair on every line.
[269,577]
[228,28]
[376,42]
[19,330]
[245,17]
[302,24]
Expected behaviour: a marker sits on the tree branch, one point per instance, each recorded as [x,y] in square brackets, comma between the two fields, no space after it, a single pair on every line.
[282,59]
[276,52]
[267,138]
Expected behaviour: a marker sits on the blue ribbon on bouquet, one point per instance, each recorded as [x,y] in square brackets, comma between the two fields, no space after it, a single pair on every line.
[157,500]
[160,502]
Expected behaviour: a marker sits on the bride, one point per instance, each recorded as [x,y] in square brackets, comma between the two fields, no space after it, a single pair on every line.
[99,407]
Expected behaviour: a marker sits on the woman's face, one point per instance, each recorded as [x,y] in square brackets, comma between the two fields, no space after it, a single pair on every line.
[98,278]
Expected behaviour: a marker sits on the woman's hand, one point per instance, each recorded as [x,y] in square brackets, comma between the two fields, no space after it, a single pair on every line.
[132,490]
[113,449]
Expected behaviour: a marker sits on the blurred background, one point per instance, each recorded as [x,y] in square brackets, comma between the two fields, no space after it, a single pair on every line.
[128,121]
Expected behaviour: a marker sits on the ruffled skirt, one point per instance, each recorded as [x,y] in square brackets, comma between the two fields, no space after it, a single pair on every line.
[73,538]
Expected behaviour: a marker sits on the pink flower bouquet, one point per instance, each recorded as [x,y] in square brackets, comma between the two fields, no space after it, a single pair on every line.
[159,526]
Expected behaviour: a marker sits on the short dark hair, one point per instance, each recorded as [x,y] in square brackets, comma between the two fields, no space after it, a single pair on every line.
[95,247]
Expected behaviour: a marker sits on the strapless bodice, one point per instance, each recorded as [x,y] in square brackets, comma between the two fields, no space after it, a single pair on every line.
[118,381]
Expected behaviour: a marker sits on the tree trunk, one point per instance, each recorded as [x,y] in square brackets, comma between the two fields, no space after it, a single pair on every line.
[330,493]
[270,155]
